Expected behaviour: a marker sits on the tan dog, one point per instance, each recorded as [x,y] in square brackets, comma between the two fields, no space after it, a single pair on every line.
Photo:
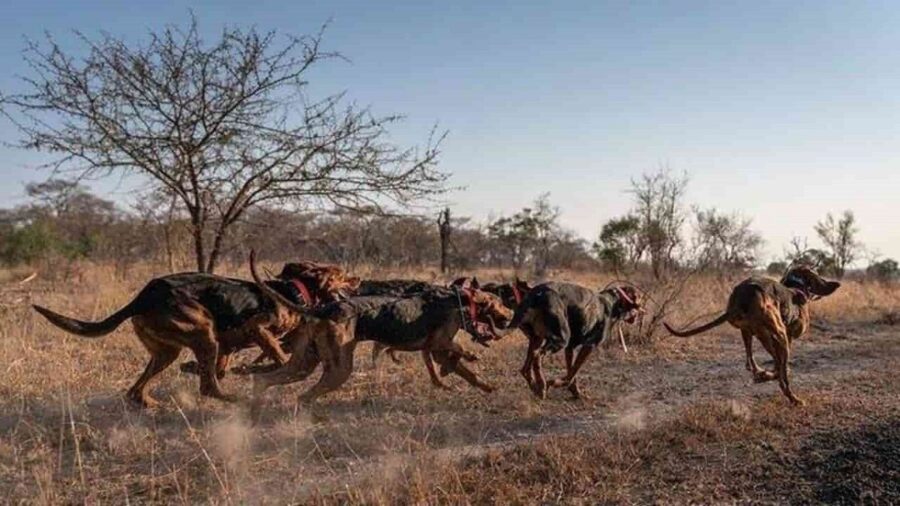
[776,313]
[214,317]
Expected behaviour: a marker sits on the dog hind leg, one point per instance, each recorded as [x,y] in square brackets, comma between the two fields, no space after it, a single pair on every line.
[334,376]
[158,363]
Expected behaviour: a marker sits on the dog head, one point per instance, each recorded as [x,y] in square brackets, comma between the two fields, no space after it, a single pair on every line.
[629,303]
[489,316]
[469,283]
[511,294]
[325,283]
[804,279]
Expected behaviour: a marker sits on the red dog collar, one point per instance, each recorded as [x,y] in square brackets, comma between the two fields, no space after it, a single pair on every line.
[516,293]
[473,311]
[304,292]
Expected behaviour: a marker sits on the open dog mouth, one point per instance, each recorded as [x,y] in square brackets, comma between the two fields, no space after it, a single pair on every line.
[486,331]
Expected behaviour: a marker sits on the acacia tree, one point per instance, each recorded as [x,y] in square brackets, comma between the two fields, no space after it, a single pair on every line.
[529,234]
[724,241]
[223,126]
[840,238]
[619,244]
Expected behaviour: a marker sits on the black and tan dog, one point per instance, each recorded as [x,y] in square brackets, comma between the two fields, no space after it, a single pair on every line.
[777,313]
[214,317]
[510,294]
[425,322]
[556,315]
[390,288]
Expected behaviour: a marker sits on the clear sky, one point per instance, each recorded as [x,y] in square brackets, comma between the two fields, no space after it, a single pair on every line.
[781,110]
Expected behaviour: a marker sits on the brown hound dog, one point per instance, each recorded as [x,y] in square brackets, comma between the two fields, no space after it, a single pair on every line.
[212,315]
[553,315]
[426,322]
[777,313]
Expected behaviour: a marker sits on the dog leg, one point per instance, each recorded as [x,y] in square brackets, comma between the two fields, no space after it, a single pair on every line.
[270,345]
[574,390]
[159,361]
[759,374]
[206,351]
[583,355]
[533,345]
[456,348]
[782,363]
[570,362]
[222,364]
[763,375]
[540,384]
[454,365]
[332,377]
[161,356]
[429,364]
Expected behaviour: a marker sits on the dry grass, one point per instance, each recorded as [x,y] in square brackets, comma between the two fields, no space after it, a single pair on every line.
[675,421]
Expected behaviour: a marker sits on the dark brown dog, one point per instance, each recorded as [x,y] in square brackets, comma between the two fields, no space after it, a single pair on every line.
[777,313]
[512,294]
[554,315]
[214,317]
[425,322]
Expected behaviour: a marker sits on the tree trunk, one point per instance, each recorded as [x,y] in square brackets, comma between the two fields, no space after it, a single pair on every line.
[197,234]
[216,252]
[445,230]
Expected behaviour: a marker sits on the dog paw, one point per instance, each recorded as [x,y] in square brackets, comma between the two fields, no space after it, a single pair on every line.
[190,367]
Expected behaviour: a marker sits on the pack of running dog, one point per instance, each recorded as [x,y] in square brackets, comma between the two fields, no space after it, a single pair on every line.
[313,314]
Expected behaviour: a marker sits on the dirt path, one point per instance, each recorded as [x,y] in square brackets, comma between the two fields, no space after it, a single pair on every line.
[634,395]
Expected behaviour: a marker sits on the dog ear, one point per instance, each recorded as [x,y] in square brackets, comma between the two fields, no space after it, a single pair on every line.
[826,288]
[474,283]
[462,282]
[522,285]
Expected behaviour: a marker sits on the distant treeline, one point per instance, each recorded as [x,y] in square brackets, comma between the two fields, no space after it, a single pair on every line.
[63,221]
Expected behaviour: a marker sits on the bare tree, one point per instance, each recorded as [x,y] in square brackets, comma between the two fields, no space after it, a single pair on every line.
[839,237]
[659,207]
[723,241]
[224,126]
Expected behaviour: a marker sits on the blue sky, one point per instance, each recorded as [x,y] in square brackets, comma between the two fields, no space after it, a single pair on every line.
[780,110]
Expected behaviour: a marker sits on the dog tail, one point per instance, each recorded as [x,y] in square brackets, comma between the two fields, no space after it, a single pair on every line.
[90,329]
[702,328]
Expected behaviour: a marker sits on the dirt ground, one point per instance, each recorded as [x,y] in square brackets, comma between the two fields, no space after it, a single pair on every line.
[676,422]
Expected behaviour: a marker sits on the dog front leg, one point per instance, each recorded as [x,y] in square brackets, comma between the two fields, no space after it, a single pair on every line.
[429,364]
[533,345]
[454,365]
[270,345]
